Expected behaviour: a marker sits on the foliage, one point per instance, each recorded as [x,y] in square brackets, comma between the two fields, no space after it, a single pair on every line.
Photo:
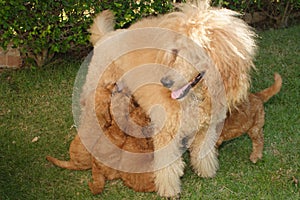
[42,28]
[127,12]
[278,12]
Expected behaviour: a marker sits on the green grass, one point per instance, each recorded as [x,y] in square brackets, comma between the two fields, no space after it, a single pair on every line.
[38,103]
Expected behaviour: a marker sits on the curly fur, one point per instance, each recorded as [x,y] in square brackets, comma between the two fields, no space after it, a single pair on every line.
[249,117]
[223,45]
[81,159]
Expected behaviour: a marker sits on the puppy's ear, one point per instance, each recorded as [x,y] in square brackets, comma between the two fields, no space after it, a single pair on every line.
[103,24]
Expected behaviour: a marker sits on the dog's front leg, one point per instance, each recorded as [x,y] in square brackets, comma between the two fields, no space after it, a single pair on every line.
[207,165]
[96,186]
[168,164]
[167,180]
[165,114]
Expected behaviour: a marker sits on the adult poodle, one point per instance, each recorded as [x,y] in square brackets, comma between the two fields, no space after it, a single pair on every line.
[184,71]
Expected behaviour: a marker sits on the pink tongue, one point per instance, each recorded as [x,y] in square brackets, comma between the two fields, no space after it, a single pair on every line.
[177,93]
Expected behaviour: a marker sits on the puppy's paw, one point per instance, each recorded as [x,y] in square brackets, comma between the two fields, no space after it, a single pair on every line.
[96,188]
[254,157]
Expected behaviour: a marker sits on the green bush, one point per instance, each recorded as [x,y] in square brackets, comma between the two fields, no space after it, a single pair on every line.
[126,12]
[42,28]
[276,12]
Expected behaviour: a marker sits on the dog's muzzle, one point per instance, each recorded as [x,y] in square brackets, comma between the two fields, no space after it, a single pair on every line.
[182,92]
[166,82]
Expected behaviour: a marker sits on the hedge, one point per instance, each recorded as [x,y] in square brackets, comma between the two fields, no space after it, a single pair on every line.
[42,28]
[276,13]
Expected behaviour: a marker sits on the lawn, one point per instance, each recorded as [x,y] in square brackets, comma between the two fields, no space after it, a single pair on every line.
[36,120]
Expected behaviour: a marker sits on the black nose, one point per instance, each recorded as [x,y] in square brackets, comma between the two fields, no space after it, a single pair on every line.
[166,82]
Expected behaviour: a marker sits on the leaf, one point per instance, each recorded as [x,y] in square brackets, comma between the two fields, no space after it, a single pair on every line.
[35,139]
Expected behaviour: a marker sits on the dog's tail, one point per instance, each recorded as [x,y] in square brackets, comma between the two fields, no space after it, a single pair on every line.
[69,164]
[80,158]
[103,23]
[267,93]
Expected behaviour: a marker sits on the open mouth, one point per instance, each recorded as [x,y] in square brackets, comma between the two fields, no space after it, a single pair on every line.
[183,91]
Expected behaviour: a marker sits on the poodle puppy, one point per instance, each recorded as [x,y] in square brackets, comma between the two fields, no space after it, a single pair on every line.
[81,159]
[249,117]
[178,111]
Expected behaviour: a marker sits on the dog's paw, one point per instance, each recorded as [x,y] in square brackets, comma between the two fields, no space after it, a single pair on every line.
[206,167]
[96,188]
[177,197]
[254,157]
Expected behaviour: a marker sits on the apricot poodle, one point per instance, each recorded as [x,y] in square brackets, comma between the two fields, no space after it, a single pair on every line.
[177,110]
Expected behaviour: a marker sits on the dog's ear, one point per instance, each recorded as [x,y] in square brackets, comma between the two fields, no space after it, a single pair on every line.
[175,52]
[103,24]
[173,56]
[169,60]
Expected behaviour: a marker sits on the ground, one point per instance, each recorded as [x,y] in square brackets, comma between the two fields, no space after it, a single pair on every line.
[36,120]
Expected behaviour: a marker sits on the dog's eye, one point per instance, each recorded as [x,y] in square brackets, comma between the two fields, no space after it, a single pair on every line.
[175,51]
[166,82]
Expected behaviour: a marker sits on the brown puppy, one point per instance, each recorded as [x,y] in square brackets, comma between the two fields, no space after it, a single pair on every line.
[249,117]
[81,159]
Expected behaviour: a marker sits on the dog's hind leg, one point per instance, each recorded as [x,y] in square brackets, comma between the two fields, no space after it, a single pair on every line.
[80,158]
